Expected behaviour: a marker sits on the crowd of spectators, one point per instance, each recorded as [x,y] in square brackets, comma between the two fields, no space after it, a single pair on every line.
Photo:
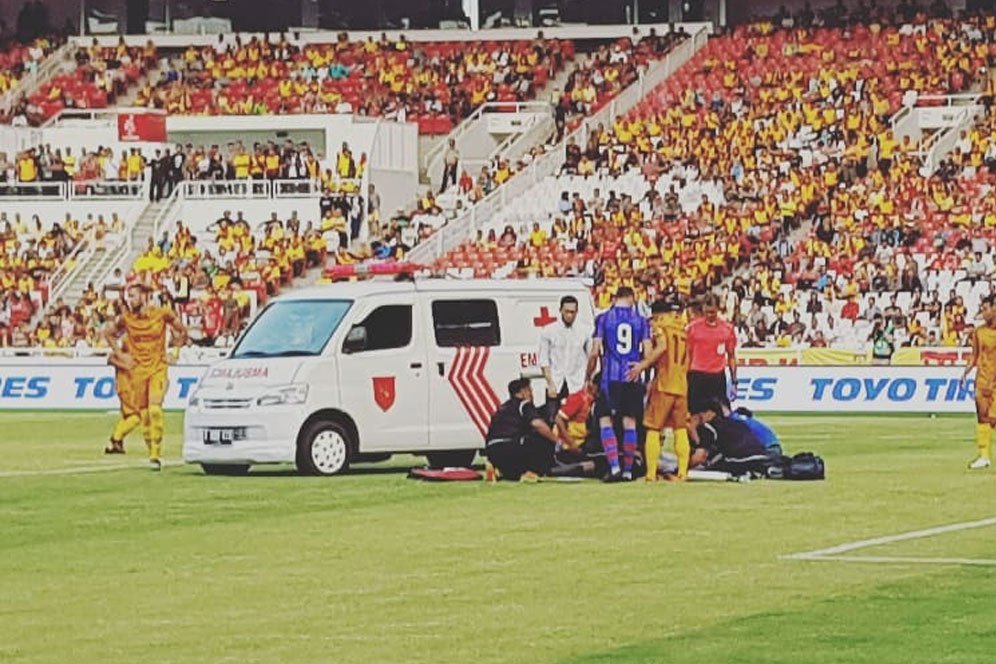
[30,252]
[598,77]
[96,78]
[165,168]
[792,126]
[396,79]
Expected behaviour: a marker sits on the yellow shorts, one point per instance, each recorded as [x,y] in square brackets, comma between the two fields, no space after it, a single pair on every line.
[665,411]
[143,388]
[124,384]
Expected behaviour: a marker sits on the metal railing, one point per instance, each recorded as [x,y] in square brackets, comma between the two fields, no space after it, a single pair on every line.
[256,189]
[965,109]
[465,226]
[436,154]
[96,190]
[196,190]
[157,223]
[59,280]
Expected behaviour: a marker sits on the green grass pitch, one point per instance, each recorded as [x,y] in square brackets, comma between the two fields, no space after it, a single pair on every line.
[123,565]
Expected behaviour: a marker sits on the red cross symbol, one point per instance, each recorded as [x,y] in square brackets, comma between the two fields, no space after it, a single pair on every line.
[544,318]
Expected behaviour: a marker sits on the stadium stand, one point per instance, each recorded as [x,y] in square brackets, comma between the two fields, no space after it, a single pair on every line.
[769,166]
[100,76]
[756,136]
[434,84]
[595,80]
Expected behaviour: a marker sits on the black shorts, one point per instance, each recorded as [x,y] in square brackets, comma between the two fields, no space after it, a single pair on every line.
[513,457]
[620,400]
[705,387]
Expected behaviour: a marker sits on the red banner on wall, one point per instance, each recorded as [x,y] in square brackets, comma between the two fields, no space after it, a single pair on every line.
[145,127]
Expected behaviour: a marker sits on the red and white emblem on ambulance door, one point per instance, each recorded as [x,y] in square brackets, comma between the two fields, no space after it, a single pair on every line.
[384,392]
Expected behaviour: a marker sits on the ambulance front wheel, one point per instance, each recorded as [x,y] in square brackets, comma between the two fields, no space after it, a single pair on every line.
[324,448]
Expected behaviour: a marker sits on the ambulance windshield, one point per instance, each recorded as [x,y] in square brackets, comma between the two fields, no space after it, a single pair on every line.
[292,328]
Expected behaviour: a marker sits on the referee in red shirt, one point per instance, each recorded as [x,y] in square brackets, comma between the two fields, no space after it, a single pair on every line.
[712,344]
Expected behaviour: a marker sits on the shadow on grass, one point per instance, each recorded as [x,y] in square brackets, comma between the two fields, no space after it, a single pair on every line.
[945,613]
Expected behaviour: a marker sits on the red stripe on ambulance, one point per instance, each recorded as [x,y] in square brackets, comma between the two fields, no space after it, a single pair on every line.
[471,386]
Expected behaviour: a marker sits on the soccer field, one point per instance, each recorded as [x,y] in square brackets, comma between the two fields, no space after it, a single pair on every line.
[103,560]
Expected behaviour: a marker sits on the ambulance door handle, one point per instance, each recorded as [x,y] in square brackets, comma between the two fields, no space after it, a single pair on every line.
[441,367]
[415,365]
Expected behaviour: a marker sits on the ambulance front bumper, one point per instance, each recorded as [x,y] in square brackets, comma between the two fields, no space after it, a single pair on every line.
[258,436]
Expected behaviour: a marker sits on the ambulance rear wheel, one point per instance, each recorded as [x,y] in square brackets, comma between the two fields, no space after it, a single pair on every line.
[224,469]
[453,459]
[324,448]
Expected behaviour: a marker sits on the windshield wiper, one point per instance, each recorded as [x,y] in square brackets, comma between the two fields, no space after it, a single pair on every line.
[252,353]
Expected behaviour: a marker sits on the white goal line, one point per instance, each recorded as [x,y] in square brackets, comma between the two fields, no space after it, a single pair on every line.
[837,553]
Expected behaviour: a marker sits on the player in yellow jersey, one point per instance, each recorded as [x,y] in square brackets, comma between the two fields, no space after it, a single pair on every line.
[142,358]
[984,358]
[130,417]
[667,397]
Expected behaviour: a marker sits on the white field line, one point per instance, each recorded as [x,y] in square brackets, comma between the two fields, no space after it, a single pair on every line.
[901,560]
[835,553]
[79,470]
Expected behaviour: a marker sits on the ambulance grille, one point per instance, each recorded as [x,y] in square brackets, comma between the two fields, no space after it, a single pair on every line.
[227,404]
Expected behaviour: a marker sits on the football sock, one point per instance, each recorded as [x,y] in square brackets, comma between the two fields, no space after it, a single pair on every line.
[125,425]
[984,440]
[629,450]
[611,448]
[146,429]
[683,450]
[652,451]
[157,422]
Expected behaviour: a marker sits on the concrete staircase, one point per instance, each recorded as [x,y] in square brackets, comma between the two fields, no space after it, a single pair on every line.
[95,266]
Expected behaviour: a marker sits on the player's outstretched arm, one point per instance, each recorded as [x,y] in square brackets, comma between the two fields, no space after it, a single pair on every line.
[177,328]
[119,358]
[653,350]
[974,342]
[593,355]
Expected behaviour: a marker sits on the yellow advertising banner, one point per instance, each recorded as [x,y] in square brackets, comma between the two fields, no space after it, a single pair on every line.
[835,357]
[931,357]
[820,357]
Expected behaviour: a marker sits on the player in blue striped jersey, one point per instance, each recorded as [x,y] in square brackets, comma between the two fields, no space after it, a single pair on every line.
[621,340]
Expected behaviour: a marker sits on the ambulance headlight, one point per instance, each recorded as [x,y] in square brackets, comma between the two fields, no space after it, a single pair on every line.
[284,396]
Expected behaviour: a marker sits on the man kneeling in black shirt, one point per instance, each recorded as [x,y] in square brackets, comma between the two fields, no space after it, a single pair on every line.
[727,444]
[519,440]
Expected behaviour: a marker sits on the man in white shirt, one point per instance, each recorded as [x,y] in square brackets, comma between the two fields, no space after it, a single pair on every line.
[563,354]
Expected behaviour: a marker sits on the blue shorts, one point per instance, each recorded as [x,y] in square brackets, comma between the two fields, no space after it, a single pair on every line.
[620,400]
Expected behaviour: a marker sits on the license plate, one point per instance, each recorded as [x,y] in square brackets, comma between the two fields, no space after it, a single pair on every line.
[223,436]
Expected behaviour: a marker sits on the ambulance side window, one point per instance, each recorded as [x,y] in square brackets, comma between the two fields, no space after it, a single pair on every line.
[466,323]
[389,326]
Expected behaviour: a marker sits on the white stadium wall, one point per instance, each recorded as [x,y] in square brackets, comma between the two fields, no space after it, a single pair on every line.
[81,384]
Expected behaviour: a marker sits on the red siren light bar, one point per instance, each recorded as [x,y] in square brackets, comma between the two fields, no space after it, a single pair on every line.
[363,270]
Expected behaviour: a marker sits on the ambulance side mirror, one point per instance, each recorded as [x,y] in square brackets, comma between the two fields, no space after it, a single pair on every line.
[356,340]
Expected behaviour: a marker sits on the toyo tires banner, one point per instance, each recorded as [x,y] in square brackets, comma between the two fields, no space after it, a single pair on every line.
[27,384]
[864,389]
[80,386]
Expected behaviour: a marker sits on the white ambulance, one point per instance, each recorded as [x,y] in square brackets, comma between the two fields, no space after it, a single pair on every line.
[358,371]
